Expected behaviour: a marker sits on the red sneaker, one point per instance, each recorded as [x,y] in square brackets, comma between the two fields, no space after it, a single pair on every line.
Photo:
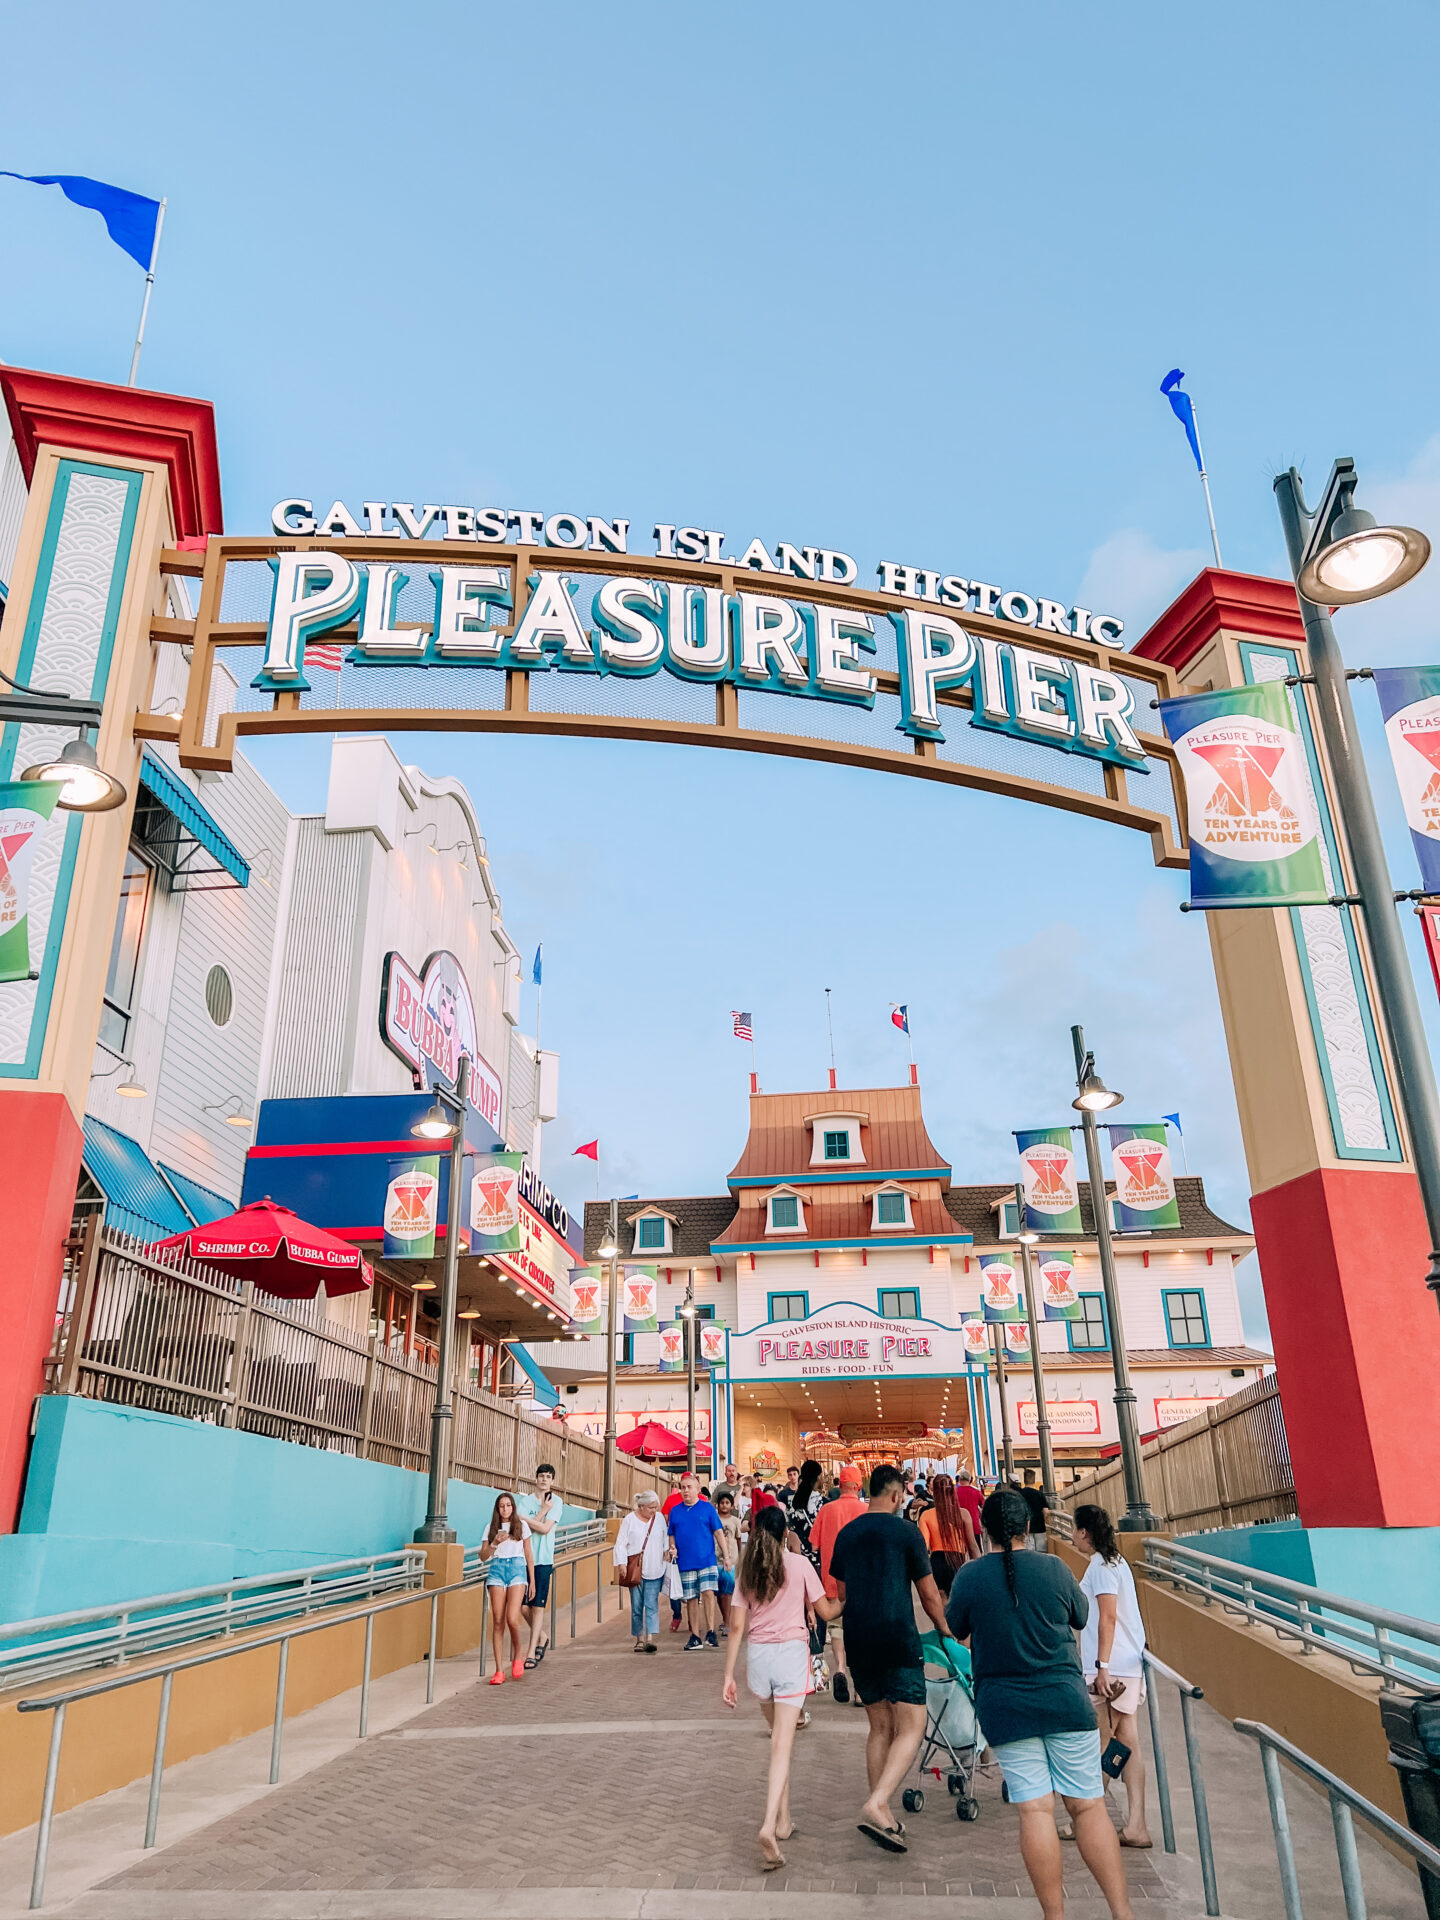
[517,1672]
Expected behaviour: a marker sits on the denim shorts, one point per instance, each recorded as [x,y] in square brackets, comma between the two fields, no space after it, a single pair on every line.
[507,1573]
[1063,1763]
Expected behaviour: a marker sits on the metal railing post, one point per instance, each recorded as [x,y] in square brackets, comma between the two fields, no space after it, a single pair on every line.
[1162,1771]
[47,1808]
[157,1765]
[484,1608]
[1200,1805]
[430,1663]
[1351,1883]
[365,1676]
[277,1732]
[574,1587]
[1280,1826]
[599,1589]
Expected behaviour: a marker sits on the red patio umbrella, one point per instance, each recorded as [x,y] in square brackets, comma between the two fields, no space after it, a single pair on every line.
[280,1252]
[656,1442]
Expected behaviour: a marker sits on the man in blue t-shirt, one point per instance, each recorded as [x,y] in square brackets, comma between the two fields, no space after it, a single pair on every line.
[694,1524]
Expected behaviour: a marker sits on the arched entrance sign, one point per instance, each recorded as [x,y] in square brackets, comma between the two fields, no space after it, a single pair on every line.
[314,635]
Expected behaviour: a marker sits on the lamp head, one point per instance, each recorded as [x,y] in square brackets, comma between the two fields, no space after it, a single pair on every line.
[1361,561]
[436,1125]
[85,786]
[1028,1237]
[608,1249]
[1093,1096]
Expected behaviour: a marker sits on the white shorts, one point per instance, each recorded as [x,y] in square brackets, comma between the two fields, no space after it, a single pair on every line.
[779,1670]
[1132,1698]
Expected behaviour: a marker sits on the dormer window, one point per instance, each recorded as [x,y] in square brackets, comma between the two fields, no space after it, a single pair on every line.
[890,1208]
[785,1213]
[836,1139]
[652,1233]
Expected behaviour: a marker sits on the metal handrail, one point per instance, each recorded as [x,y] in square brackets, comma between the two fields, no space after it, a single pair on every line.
[160,1620]
[1188,1692]
[165,1672]
[1322,1622]
[1343,1801]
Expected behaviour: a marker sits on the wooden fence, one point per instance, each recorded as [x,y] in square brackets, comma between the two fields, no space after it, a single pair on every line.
[180,1338]
[1228,1466]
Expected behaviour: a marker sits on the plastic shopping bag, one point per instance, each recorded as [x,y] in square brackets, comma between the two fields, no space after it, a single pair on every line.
[672,1581]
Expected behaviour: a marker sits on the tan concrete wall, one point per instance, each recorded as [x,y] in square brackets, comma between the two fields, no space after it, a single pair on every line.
[110,1740]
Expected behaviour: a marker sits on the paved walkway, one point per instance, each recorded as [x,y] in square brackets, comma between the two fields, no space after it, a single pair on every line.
[610,1787]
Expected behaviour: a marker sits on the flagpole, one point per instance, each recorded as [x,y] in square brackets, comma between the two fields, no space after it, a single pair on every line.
[1205,483]
[145,303]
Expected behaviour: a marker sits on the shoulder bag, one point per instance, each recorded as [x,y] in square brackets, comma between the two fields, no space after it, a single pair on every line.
[633,1571]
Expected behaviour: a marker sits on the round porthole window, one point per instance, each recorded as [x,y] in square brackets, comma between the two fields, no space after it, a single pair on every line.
[219,996]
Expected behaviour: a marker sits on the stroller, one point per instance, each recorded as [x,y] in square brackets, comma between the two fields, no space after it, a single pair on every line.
[953,1741]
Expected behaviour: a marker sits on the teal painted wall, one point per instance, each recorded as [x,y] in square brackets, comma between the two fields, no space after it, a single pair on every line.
[1393,1567]
[121,1503]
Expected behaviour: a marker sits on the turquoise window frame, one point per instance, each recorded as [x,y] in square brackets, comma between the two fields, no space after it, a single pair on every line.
[837,1143]
[784,1200]
[1070,1326]
[882,1200]
[1174,1293]
[795,1294]
[1249,653]
[49,961]
[643,1228]
[897,1293]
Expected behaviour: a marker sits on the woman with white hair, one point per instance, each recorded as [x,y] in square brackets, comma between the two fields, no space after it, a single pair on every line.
[640,1547]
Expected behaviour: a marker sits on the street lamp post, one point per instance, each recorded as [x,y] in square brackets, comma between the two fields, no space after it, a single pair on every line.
[610,1252]
[1027,1239]
[689,1316]
[1092,1097]
[1339,553]
[447,1116]
[997,1337]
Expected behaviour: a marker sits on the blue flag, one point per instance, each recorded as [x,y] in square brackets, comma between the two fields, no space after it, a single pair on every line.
[1174,1120]
[535,969]
[1184,411]
[129,217]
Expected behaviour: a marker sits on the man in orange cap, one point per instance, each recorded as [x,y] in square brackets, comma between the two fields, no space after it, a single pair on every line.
[824,1530]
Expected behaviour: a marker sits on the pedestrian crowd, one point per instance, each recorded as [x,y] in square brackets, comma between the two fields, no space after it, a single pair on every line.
[825,1588]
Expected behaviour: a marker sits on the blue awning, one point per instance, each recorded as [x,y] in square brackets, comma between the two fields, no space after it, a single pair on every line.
[139,1201]
[544,1391]
[202,1205]
[180,835]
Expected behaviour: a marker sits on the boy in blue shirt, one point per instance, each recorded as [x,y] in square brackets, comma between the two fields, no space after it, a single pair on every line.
[693,1527]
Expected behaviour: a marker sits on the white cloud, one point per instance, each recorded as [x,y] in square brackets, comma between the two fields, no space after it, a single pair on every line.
[1131,577]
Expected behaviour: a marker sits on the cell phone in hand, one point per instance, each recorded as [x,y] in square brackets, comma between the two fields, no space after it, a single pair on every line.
[1114,1759]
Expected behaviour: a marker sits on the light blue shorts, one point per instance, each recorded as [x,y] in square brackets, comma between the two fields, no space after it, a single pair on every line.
[1064,1763]
[507,1573]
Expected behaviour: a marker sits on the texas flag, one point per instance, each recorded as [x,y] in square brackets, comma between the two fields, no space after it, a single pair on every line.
[900,1017]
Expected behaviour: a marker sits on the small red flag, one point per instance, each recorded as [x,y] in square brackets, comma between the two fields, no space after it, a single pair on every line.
[591,1150]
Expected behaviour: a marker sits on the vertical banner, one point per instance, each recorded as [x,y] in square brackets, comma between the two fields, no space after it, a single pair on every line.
[1144,1180]
[25,809]
[412,1202]
[1254,829]
[1058,1293]
[1429,916]
[999,1287]
[976,1336]
[672,1346]
[495,1203]
[1410,702]
[714,1343]
[1017,1340]
[1047,1168]
[587,1300]
[640,1298]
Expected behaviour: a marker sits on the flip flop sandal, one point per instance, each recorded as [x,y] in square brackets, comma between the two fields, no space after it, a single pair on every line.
[541,1651]
[1139,1844]
[774,1866]
[886,1837]
[530,1665]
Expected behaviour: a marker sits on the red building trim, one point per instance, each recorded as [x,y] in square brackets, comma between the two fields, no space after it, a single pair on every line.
[127,421]
[1249,603]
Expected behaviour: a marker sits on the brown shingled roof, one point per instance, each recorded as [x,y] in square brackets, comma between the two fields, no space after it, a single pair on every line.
[892,1136]
[972,1208]
[835,1220]
[697,1222]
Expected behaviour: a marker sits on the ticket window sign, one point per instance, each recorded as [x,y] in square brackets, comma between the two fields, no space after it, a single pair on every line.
[1073,1419]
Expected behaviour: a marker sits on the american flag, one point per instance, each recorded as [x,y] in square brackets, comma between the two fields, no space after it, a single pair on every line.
[743,1028]
[330,658]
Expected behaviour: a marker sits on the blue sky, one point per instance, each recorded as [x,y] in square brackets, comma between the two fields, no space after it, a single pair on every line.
[902,281]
